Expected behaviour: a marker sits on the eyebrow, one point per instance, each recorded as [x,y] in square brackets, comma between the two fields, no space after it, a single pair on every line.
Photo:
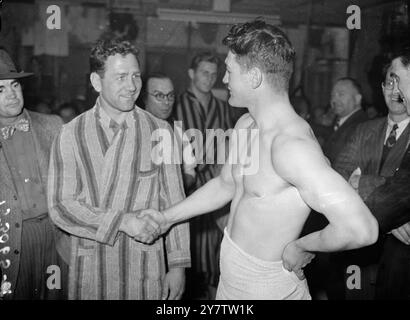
[11,83]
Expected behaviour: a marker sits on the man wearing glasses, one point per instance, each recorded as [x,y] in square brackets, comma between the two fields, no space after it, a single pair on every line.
[159,98]
[373,153]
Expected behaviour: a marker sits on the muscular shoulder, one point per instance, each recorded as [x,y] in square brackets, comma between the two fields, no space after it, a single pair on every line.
[244,121]
[295,153]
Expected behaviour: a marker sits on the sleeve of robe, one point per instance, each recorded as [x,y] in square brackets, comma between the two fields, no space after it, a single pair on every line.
[67,211]
[171,192]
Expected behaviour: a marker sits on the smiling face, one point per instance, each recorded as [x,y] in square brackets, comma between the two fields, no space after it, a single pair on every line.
[11,99]
[120,85]
[392,95]
[236,80]
[401,89]
[160,97]
[344,98]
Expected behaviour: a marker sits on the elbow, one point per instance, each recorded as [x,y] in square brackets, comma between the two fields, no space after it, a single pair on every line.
[366,235]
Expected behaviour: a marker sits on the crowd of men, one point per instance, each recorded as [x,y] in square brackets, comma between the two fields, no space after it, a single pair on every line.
[92,200]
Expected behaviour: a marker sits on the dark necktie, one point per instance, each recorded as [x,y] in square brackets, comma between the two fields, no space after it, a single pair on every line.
[391,140]
[336,125]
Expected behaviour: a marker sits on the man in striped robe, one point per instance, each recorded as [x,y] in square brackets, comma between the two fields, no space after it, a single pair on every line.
[199,109]
[102,175]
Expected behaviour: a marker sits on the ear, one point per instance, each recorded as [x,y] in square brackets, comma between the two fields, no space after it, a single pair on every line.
[96,81]
[191,73]
[256,77]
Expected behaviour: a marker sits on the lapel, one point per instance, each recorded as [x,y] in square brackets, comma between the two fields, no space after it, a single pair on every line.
[42,140]
[355,117]
[396,154]
[199,108]
[5,174]
[376,148]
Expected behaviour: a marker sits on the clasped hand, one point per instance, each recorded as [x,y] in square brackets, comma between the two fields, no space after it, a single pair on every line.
[145,227]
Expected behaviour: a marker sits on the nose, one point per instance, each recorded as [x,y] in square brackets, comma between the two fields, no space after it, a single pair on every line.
[131,85]
[225,78]
[12,94]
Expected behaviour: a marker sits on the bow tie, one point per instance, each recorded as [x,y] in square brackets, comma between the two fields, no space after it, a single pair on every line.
[8,131]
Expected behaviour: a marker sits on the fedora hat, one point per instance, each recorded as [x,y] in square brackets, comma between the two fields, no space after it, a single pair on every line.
[8,69]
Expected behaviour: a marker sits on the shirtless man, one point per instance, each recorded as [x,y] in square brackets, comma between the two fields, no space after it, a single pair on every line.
[261,255]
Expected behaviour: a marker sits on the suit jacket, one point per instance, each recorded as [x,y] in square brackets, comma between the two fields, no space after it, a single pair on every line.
[390,204]
[336,142]
[364,150]
[44,128]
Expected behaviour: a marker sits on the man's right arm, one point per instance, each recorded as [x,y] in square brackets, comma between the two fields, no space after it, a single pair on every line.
[74,215]
[213,195]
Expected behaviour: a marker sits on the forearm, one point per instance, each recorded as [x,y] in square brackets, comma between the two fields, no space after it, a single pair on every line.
[211,196]
[328,239]
[178,246]
[85,221]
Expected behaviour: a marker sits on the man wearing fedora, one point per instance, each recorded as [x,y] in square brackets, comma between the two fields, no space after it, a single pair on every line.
[31,267]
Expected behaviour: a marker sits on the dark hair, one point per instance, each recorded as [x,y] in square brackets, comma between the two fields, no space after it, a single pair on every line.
[258,44]
[154,75]
[109,47]
[353,82]
[203,56]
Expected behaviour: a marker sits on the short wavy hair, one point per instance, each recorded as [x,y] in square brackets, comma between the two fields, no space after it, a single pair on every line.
[109,47]
[258,44]
[206,57]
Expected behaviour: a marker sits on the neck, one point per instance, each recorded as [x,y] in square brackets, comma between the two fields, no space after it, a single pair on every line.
[271,110]
[398,117]
[116,115]
[10,121]
[350,113]
[204,98]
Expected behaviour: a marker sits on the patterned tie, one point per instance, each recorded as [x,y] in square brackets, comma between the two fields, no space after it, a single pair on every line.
[337,125]
[391,140]
[8,131]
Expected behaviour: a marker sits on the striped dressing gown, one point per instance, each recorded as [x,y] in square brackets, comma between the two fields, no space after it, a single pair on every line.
[205,235]
[92,183]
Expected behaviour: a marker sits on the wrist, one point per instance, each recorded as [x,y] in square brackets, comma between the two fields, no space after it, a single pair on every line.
[125,222]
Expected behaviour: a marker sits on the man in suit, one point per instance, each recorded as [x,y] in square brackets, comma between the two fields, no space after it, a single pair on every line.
[27,235]
[373,152]
[390,204]
[345,101]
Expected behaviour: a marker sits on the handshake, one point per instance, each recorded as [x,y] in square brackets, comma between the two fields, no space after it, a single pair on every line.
[146,226]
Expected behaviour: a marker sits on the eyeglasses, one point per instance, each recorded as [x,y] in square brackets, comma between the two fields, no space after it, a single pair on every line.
[162,96]
[389,84]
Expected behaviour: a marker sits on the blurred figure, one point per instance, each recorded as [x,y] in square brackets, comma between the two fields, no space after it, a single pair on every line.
[198,108]
[67,112]
[159,98]
[345,102]
[43,107]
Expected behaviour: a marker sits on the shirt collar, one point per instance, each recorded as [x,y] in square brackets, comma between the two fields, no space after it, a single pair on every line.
[401,124]
[23,115]
[107,122]
[343,119]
